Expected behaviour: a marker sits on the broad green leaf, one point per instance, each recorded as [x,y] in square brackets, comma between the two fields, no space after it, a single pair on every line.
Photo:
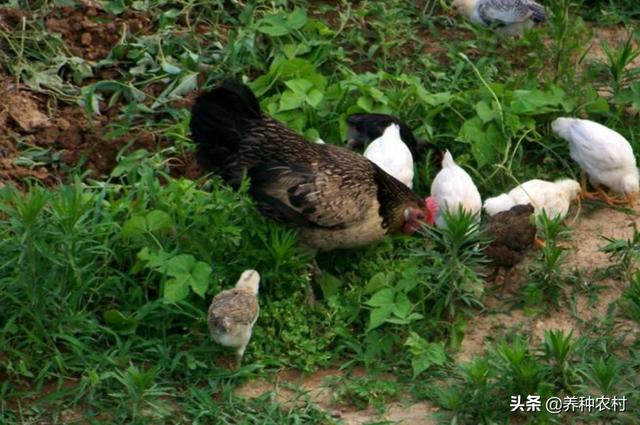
[119,322]
[378,316]
[169,68]
[135,226]
[296,19]
[378,95]
[402,305]
[299,85]
[536,102]
[180,265]
[485,112]
[114,7]
[200,278]
[486,144]
[314,97]
[378,281]
[290,100]
[384,297]
[329,284]
[158,220]
[176,289]
[424,354]
[365,103]
[273,25]
[154,259]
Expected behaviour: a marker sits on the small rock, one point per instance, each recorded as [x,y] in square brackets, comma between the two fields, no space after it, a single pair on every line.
[24,111]
[63,124]
[86,39]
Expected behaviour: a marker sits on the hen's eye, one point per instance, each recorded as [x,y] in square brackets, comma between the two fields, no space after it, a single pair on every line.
[420,216]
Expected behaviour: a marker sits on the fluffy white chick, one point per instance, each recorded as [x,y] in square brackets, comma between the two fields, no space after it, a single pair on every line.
[553,197]
[604,155]
[511,17]
[453,189]
[391,154]
[233,313]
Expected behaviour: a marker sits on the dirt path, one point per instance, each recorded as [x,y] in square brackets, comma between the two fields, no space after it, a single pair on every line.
[292,389]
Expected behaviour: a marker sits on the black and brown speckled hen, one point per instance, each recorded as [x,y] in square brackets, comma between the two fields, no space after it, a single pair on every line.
[513,233]
[336,198]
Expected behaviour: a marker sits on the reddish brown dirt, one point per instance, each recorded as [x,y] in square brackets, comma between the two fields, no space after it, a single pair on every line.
[30,120]
[89,35]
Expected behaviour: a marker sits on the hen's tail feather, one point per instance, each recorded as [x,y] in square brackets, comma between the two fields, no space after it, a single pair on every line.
[539,14]
[220,119]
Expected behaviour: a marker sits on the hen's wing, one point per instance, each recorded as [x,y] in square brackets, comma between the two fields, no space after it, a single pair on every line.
[311,196]
[598,149]
[513,230]
[505,11]
[232,307]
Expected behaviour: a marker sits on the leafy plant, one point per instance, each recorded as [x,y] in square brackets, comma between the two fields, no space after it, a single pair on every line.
[547,275]
[625,253]
[455,254]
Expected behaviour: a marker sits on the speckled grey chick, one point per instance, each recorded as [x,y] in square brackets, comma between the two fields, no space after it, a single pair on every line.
[233,313]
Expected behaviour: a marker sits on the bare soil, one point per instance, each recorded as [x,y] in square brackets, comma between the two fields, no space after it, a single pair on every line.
[292,389]
[588,225]
[89,35]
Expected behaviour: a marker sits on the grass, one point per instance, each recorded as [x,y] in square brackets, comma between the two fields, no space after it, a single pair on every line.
[105,279]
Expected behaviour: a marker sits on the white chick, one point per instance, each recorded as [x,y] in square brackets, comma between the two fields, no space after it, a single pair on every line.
[320,141]
[604,155]
[511,17]
[453,189]
[553,197]
[391,154]
[233,313]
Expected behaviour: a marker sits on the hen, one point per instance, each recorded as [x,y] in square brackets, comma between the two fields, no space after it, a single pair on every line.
[233,313]
[336,198]
[508,16]
[364,128]
[453,189]
[513,233]
[391,154]
[604,155]
[552,197]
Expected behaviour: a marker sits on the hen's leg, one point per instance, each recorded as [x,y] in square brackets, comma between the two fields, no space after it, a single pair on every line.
[316,273]
[584,193]
[631,200]
[609,200]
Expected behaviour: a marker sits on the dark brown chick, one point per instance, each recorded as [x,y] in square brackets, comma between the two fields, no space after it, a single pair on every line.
[513,233]
[334,197]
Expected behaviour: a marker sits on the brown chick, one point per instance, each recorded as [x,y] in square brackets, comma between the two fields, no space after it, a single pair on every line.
[233,313]
[513,233]
[336,198]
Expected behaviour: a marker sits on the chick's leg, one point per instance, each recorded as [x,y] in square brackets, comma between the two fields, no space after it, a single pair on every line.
[539,243]
[239,355]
